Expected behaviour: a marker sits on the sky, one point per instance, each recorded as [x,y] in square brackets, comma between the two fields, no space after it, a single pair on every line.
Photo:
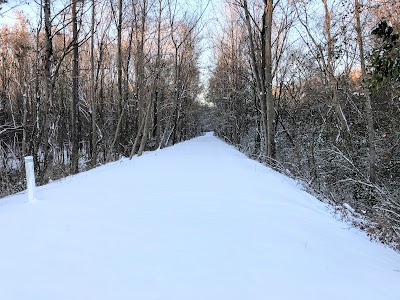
[7,13]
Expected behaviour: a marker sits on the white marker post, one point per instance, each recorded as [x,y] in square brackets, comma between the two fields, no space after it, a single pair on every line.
[30,178]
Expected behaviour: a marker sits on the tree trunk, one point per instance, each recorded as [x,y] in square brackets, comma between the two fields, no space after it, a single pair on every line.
[35,140]
[263,79]
[368,107]
[268,12]
[48,91]
[121,106]
[75,95]
[119,58]
[157,102]
[331,73]
[92,89]
[23,85]
[145,128]
[140,62]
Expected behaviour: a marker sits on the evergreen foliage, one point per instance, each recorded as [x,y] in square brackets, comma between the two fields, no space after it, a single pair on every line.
[385,58]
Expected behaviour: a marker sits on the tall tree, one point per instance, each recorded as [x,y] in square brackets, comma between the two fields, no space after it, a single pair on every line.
[330,70]
[92,87]
[262,71]
[325,55]
[121,104]
[75,92]
[46,107]
[266,37]
[368,106]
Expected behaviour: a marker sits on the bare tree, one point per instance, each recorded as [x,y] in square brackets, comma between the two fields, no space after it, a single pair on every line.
[266,36]
[368,107]
[75,94]
[92,87]
[326,60]
[262,71]
[48,90]
[121,106]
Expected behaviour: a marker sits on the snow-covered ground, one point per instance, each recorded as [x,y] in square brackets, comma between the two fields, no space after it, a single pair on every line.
[195,221]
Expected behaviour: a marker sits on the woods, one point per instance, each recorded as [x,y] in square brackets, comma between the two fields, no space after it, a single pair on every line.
[335,98]
[91,81]
[309,87]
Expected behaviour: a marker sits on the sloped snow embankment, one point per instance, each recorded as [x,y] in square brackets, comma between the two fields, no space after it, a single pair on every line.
[195,221]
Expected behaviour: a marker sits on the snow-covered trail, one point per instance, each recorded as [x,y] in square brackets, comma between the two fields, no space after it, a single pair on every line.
[195,221]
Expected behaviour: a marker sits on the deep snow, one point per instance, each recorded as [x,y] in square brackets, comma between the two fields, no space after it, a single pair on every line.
[197,220]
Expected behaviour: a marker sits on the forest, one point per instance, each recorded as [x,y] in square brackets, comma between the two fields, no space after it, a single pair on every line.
[309,87]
